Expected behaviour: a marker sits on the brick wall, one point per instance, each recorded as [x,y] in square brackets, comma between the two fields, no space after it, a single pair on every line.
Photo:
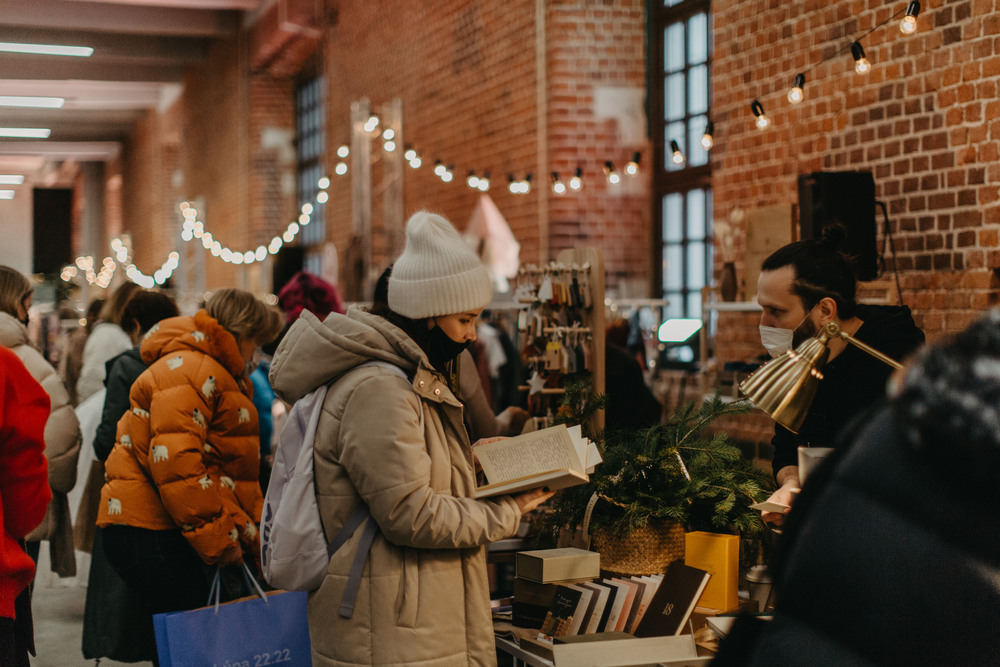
[920,121]
[466,75]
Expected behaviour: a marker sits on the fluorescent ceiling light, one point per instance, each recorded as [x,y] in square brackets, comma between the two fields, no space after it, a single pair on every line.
[33,102]
[6,194]
[25,132]
[11,179]
[47,49]
[678,329]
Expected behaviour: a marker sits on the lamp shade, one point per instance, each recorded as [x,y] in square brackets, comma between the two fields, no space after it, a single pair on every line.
[785,387]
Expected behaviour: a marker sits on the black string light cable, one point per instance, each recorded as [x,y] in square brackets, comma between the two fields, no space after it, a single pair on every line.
[887,241]
[908,26]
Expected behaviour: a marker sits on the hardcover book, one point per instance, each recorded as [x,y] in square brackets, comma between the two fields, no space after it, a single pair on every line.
[583,607]
[552,458]
[560,615]
[674,601]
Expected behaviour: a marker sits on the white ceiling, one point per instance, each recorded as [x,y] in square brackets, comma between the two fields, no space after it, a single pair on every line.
[141,50]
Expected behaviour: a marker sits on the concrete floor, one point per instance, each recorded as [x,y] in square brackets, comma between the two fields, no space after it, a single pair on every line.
[57,609]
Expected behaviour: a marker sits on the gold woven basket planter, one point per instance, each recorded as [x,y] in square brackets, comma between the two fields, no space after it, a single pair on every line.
[647,550]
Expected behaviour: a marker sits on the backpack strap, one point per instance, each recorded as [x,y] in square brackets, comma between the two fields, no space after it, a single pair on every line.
[360,515]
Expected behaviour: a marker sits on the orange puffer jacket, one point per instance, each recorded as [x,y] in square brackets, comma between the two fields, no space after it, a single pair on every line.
[188,452]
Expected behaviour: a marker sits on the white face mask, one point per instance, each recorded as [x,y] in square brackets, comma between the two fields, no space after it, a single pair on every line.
[776,341]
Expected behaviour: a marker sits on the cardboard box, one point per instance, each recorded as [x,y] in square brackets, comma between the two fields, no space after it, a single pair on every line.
[557,565]
[719,555]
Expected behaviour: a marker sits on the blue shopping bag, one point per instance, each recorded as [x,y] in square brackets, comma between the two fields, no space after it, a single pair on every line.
[268,629]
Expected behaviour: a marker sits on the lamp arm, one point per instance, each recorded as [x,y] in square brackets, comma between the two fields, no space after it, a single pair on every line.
[871,350]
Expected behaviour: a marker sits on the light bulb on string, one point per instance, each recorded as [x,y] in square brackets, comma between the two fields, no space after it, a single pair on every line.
[322,197]
[448,174]
[340,169]
[472,181]
[484,182]
[389,146]
[512,185]
[343,151]
[796,95]
[576,180]
[632,167]
[677,157]
[410,154]
[372,123]
[908,25]
[323,183]
[708,138]
[388,134]
[861,64]
[609,171]
[439,169]
[558,187]
[526,187]
[758,111]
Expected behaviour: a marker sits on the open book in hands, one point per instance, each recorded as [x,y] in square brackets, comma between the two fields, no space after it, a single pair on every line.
[554,458]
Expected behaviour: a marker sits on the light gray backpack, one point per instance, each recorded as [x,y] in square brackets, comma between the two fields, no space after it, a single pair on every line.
[294,553]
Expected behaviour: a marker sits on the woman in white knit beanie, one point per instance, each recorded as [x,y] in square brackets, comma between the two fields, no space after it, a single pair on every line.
[391,442]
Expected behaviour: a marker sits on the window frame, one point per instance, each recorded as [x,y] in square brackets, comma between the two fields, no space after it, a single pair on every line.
[681,181]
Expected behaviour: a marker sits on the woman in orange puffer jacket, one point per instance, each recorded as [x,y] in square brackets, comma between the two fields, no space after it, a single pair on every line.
[182,494]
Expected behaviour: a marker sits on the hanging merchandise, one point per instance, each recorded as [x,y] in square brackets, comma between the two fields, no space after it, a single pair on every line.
[560,330]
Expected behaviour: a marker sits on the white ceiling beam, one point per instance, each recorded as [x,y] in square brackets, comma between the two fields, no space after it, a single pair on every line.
[240,5]
[84,151]
[120,18]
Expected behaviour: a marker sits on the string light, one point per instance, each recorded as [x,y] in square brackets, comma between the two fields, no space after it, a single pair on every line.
[795,95]
[758,111]
[343,151]
[610,174]
[558,187]
[677,157]
[861,64]
[371,124]
[908,25]
[708,138]
[576,180]
[472,181]
[484,182]
[632,167]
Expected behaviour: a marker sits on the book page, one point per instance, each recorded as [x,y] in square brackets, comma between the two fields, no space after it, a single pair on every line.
[529,454]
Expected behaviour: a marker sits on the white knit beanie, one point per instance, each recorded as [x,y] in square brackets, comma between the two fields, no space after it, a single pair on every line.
[437,274]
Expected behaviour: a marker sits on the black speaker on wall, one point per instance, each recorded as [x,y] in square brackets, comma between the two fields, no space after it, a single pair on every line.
[847,197]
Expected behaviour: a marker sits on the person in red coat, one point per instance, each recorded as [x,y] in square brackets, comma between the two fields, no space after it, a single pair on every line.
[24,497]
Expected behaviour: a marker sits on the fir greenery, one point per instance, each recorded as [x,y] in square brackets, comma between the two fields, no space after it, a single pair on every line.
[678,471]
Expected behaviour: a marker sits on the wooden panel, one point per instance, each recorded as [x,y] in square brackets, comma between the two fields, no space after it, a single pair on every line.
[767,229]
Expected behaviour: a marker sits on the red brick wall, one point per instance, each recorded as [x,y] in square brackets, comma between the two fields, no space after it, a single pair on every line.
[466,74]
[920,121]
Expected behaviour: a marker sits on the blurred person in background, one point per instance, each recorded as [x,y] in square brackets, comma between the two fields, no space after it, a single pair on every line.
[182,495]
[112,619]
[106,340]
[62,430]
[303,291]
[24,497]
[71,361]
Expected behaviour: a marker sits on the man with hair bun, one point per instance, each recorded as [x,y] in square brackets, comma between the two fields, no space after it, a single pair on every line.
[802,287]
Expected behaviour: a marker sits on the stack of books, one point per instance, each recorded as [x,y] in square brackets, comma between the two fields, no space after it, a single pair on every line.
[560,592]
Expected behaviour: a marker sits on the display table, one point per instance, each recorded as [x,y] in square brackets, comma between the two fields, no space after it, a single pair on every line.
[681,652]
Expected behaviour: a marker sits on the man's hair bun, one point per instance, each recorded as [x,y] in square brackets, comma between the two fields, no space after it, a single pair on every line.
[834,234]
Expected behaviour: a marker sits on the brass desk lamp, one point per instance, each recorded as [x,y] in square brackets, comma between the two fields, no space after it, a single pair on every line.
[785,387]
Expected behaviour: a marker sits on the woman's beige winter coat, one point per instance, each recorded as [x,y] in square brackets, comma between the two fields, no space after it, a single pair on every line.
[62,447]
[424,596]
